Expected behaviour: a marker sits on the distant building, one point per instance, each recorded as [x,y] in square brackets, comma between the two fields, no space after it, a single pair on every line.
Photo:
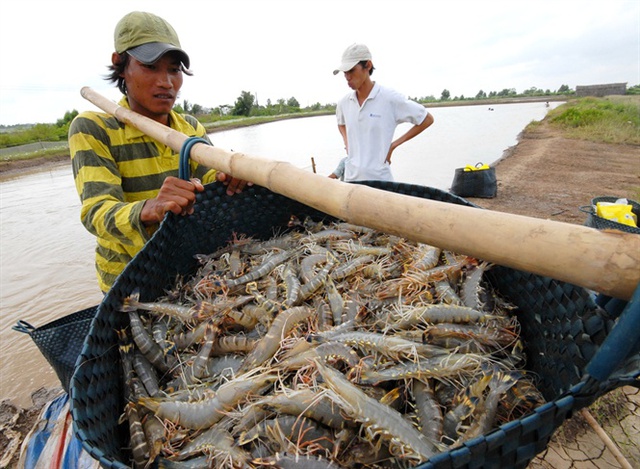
[601,90]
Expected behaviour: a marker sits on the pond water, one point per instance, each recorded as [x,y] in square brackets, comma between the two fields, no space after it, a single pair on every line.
[46,255]
[460,135]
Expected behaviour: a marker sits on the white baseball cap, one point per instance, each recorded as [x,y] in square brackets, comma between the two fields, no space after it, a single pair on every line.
[352,55]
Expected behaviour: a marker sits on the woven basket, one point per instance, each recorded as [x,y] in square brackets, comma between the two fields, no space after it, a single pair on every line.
[562,328]
[61,341]
[600,223]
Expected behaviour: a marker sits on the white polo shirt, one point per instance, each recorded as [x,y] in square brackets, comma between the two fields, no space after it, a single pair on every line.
[370,130]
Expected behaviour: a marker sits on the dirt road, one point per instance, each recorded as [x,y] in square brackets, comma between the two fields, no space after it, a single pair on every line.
[549,176]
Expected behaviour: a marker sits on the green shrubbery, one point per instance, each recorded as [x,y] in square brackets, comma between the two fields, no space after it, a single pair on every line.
[39,132]
[610,120]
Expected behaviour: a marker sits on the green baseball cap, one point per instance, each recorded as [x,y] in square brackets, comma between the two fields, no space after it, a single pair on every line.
[147,37]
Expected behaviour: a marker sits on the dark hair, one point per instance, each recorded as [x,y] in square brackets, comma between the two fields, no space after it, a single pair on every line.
[363,64]
[117,70]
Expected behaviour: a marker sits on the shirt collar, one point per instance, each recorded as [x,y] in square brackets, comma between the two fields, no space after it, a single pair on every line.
[132,132]
[374,92]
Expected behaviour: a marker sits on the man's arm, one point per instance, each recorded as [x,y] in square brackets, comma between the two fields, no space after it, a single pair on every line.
[409,134]
[343,131]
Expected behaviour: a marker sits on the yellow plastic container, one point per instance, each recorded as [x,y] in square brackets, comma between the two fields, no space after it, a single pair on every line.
[477,167]
[618,212]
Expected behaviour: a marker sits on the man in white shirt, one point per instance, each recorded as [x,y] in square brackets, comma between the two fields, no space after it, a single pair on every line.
[368,116]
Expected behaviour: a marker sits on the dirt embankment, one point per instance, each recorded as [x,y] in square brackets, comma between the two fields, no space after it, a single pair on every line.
[544,176]
[549,176]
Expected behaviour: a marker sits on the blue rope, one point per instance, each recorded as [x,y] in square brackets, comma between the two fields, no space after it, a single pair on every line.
[184,170]
[621,341]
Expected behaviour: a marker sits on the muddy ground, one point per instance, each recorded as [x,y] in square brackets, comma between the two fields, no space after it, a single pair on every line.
[544,176]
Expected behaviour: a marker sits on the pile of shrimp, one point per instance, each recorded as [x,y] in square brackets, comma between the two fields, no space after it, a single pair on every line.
[329,346]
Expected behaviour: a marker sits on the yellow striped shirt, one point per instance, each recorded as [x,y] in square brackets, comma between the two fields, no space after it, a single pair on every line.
[116,168]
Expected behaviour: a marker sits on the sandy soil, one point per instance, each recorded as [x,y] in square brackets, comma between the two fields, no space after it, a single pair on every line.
[544,176]
[548,176]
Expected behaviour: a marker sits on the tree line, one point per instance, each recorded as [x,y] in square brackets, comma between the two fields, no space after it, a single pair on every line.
[246,105]
[505,93]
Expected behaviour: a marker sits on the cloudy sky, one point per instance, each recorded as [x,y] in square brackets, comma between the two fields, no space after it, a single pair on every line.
[281,49]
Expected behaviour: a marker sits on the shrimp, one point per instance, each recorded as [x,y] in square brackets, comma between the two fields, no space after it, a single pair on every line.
[349,268]
[435,314]
[268,305]
[428,410]
[442,366]
[269,344]
[232,344]
[351,308]
[485,414]
[377,418]
[327,234]
[199,365]
[391,346]
[359,249]
[307,403]
[427,257]
[236,266]
[126,351]
[417,280]
[307,265]
[324,314]
[222,304]
[180,312]
[296,461]
[152,351]
[336,303]
[470,288]
[203,414]
[463,406]
[316,282]
[292,285]
[155,433]
[327,352]
[446,293]
[159,333]
[496,336]
[271,263]
[284,243]
[246,321]
[145,373]
[220,444]
[302,431]
[139,447]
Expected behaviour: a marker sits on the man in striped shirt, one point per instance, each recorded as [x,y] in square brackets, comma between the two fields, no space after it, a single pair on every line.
[126,180]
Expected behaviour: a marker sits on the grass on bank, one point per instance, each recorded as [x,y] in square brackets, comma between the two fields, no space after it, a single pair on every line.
[62,150]
[615,119]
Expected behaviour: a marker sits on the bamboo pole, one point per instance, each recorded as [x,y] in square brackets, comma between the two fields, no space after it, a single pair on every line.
[604,261]
[608,442]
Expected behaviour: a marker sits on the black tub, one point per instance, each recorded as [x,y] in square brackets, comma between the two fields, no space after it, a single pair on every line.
[562,328]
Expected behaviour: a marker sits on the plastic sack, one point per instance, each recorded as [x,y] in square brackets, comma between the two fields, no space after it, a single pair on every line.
[51,442]
[475,181]
[620,212]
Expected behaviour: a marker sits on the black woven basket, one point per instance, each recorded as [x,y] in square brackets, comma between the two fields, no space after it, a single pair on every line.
[61,341]
[600,223]
[562,328]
